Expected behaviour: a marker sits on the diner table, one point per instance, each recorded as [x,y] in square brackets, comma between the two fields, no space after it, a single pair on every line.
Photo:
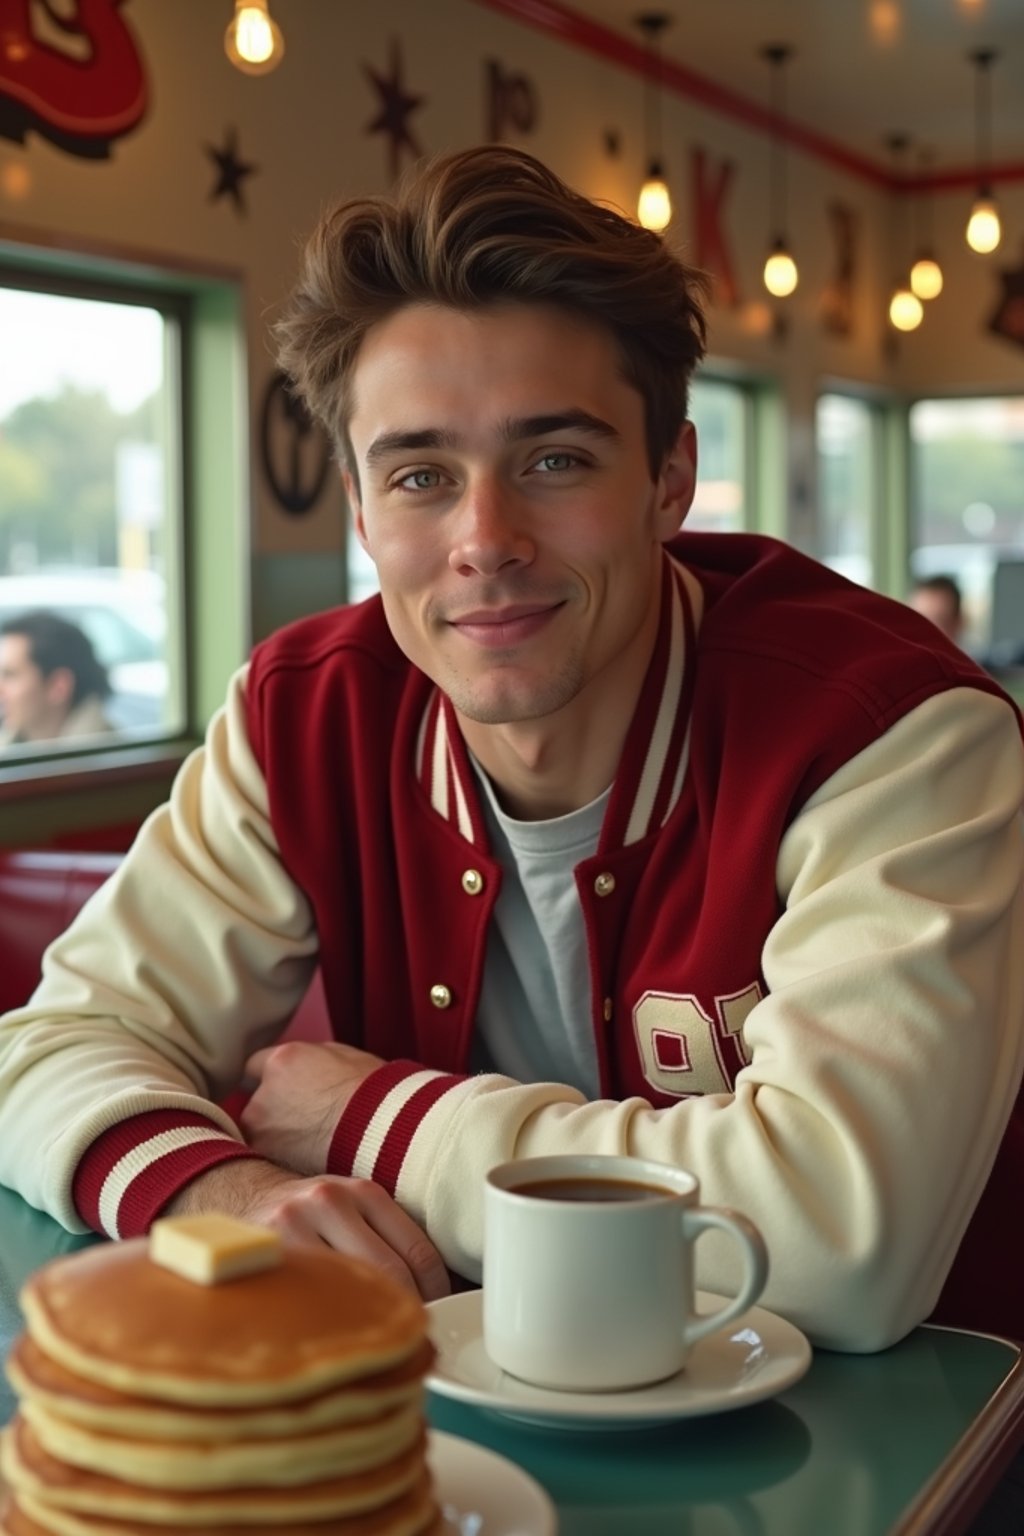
[902,1443]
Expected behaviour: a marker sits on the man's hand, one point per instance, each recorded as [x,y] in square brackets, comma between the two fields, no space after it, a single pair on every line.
[301,1091]
[353,1216]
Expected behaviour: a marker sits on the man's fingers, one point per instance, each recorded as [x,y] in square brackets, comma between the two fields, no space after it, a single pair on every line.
[402,1234]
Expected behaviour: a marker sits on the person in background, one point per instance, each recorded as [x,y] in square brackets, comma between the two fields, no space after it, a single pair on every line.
[939,599]
[606,837]
[51,684]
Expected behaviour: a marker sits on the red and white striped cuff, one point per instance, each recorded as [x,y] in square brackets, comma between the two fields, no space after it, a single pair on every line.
[132,1170]
[383,1115]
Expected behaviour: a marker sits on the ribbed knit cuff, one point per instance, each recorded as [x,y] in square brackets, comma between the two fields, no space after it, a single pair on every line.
[382,1117]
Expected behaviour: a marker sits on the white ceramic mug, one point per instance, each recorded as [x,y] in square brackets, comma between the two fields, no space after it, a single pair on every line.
[588,1270]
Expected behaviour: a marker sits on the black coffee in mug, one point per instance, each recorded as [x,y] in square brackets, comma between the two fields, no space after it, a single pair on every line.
[589,1191]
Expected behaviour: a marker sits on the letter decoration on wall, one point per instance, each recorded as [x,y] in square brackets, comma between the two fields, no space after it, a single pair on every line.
[294,451]
[82,88]
[396,105]
[1007,319]
[511,102]
[711,247]
[231,171]
[837,297]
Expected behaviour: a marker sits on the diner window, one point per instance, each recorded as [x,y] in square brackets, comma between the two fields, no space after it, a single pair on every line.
[720,410]
[967,511]
[847,432]
[90,518]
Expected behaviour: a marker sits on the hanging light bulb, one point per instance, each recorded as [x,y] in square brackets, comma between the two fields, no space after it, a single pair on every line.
[905,309]
[984,230]
[780,273]
[253,40]
[654,205]
[926,274]
[926,278]
[780,269]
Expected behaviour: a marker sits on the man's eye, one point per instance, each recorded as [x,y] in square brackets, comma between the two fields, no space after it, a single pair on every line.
[420,480]
[554,462]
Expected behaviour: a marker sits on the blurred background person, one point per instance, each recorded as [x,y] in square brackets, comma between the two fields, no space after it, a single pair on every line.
[939,599]
[51,684]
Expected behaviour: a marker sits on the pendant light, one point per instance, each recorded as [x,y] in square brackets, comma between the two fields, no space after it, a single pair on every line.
[253,40]
[926,274]
[654,206]
[905,308]
[780,270]
[983,227]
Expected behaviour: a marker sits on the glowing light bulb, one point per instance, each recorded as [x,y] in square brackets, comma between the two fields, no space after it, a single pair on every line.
[984,230]
[780,272]
[253,40]
[905,310]
[926,278]
[654,206]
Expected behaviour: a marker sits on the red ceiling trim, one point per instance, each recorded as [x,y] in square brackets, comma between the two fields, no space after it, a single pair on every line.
[569,26]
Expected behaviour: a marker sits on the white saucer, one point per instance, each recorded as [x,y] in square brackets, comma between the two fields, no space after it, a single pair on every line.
[756,1357]
[482,1494]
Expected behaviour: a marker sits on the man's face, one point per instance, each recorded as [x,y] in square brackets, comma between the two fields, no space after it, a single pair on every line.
[33,707]
[940,608]
[506,498]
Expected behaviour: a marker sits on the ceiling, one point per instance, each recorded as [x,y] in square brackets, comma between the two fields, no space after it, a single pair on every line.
[861,70]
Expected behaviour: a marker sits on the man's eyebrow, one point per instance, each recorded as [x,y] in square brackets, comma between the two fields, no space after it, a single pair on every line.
[401,442]
[514,429]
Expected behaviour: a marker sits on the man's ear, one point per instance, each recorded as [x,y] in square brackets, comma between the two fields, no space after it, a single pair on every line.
[348,480]
[677,483]
[60,687]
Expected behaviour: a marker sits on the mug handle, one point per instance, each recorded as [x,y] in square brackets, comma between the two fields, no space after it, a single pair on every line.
[755,1265]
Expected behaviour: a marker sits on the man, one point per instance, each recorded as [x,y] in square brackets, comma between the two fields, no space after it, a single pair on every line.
[938,598]
[51,684]
[607,839]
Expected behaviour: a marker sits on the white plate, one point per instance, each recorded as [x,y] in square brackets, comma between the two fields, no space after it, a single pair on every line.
[482,1494]
[756,1357]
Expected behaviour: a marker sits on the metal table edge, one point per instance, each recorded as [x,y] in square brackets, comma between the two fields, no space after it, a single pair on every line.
[956,1491]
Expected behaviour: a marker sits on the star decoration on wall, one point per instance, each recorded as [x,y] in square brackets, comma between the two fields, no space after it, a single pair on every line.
[231,171]
[1008,317]
[396,105]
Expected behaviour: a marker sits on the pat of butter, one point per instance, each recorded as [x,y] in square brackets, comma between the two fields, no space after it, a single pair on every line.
[212,1248]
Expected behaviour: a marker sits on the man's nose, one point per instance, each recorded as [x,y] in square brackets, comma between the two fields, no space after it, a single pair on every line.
[490,529]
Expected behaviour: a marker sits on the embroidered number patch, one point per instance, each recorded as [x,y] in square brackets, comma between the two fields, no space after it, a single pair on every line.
[684,1049]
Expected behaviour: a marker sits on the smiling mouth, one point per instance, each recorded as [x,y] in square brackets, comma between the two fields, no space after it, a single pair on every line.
[500,628]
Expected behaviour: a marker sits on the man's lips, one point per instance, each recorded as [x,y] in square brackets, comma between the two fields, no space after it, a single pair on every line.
[506,626]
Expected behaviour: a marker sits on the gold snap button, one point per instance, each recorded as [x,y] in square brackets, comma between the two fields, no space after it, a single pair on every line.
[608,1010]
[440,995]
[604,884]
[472,882]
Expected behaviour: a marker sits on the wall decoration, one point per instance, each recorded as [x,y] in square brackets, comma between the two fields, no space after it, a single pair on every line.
[710,246]
[231,171]
[81,95]
[294,450]
[612,143]
[837,297]
[396,106]
[1008,317]
[511,102]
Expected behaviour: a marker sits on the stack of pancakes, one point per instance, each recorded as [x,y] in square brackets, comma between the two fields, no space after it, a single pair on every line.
[288,1400]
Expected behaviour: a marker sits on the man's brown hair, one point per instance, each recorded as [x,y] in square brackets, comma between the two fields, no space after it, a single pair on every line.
[487,226]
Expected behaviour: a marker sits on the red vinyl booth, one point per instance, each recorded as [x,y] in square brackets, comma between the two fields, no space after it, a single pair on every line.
[40,892]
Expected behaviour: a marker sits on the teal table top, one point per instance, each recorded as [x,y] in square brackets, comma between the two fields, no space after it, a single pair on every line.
[895,1444]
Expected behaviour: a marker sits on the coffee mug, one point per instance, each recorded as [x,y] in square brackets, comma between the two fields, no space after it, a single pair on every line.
[588,1270]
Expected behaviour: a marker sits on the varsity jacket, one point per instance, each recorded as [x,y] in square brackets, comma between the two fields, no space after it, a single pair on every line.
[804,921]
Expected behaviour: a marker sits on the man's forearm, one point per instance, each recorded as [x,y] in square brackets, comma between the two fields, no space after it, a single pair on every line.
[236,1188]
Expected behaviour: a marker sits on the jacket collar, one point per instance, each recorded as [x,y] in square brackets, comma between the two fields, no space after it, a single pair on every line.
[652,769]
